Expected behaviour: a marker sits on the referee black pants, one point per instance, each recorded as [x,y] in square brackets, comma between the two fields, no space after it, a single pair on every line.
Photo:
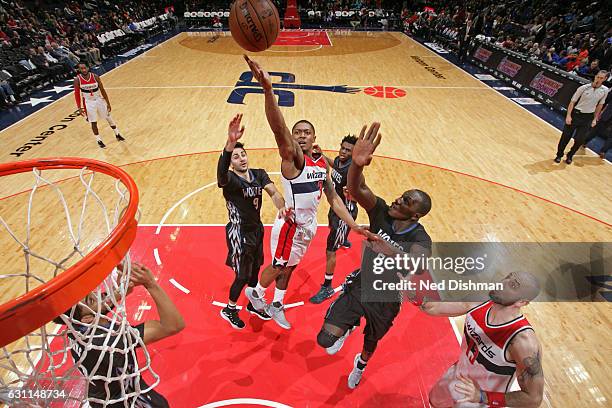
[581,125]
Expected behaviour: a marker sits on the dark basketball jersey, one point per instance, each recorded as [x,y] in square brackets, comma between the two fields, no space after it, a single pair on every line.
[381,223]
[244,197]
[121,363]
[339,174]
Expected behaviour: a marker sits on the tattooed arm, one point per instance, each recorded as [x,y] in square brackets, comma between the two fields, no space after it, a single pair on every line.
[526,351]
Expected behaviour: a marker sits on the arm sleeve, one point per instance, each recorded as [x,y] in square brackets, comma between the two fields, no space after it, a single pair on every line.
[265,179]
[223,168]
[77,96]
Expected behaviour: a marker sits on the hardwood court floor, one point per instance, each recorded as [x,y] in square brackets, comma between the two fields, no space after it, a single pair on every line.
[173,101]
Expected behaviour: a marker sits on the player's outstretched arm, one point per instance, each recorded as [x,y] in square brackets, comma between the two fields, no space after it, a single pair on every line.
[447,309]
[275,195]
[287,146]
[526,351]
[103,92]
[234,133]
[170,320]
[362,156]
[339,208]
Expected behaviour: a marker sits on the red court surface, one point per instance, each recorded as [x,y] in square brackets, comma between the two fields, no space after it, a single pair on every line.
[302,38]
[209,363]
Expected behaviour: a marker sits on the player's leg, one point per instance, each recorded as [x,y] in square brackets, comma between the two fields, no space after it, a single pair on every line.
[91,112]
[253,278]
[338,230]
[379,319]
[110,120]
[276,309]
[240,259]
[280,245]
[342,317]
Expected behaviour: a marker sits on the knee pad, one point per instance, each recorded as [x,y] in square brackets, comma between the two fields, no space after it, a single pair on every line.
[325,339]
[369,345]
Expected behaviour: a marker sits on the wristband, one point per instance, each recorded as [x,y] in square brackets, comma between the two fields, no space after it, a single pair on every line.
[495,399]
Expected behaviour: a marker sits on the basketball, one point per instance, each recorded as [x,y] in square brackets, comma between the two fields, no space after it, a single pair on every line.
[254,24]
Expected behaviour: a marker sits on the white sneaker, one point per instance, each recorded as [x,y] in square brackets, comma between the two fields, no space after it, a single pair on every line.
[259,303]
[355,375]
[277,312]
[334,348]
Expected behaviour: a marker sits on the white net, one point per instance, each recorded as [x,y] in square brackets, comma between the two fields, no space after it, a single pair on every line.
[96,355]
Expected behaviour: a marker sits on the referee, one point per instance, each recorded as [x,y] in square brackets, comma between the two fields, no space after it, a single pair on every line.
[582,114]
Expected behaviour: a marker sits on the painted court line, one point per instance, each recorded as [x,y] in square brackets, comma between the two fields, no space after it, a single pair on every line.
[156,255]
[179,202]
[245,401]
[179,286]
[297,86]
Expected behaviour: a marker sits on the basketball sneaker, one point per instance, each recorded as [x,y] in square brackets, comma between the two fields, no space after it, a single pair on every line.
[120,138]
[324,293]
[334,348]
[258,303]
[231,315]
[101,144]
[253,311]
[355,376]
[276,311]
[347,244]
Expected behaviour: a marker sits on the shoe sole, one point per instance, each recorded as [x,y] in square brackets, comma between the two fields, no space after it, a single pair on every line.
[258,315]
[229,321]
[252,299]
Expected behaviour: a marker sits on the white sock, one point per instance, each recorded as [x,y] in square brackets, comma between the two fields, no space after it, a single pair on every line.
[12,97]
[98,138]
[279,295]
[260,290]
[116,130]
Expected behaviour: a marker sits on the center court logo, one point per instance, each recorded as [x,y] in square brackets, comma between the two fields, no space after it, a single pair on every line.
[283,88]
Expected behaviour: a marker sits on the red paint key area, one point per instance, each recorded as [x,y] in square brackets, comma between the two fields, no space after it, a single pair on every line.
[303,38]
[210,362]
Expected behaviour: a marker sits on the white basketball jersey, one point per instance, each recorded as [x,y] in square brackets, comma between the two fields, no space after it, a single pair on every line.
[484,347]
[90,90]
[304,192]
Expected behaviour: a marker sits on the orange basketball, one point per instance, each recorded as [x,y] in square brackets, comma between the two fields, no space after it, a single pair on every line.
[254,24]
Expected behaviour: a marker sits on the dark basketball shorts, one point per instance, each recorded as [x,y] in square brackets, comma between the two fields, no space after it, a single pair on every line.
[347,310]
[244,247]
[338,229]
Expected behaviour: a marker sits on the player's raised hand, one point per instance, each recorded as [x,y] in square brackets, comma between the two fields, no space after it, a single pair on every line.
[468,388]
[366,144]
[260,74]
[234,131]
[141,275]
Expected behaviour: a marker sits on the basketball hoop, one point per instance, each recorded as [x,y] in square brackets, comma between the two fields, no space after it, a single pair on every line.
[41,305]
[91,269]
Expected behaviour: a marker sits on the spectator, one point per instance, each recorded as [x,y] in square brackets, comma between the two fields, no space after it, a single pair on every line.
[7,96]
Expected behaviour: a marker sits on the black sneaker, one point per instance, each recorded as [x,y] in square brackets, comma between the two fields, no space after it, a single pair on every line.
[262,315]
[324,293]
[347,244]
[231,315]
[558,159]
[568,160]
[101,144]
[120,138]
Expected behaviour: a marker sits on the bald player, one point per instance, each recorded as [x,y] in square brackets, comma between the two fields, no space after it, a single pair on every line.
[498,346]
